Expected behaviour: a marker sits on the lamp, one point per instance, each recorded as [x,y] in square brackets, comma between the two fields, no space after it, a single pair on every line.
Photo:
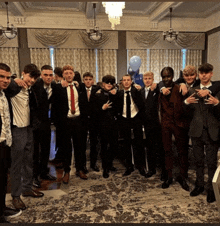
[170,35]
[95,34]
[114,11]
[9,32]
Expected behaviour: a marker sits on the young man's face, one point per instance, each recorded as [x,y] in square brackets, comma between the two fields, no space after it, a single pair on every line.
[28,80]
[205,78]
[68,75]
[47,76]
[190,78]
[5,79]
[126,82]
[88,81]
[148,80]
[57,78]
[167,78]
[107,86]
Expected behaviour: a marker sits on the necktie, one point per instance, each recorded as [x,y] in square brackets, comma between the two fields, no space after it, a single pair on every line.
[47,91]
[72,100]
[146,92]
[206,97]
[7,120]
[88,94]
[128,105]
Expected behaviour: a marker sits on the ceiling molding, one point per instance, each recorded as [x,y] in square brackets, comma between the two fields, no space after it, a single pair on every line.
[16,9]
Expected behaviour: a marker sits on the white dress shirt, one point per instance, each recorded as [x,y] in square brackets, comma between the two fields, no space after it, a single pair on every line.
[77,112]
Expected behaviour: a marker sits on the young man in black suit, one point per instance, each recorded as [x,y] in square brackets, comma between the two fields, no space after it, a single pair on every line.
[5,143]
[89,118]
[152,127]
[204,131]
[130,108]
[67,118]
[43,89]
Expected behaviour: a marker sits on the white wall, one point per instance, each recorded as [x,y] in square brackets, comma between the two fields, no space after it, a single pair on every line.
[213,56]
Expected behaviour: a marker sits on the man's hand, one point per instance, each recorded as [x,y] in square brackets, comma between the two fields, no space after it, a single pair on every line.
[76,83]
[166,91]
[202,92]
[64,83]
[212,100]
[183,89]
[153,86]
[113,91]
[138,87]
[107,105]
[20,83]
[191,99]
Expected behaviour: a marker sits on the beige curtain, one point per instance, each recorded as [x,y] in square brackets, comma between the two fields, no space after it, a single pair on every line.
[194,57]
[107,63]
[83,60]
[9,56]
[40,57]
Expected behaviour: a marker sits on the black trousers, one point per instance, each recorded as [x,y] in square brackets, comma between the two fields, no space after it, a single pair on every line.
[5,162]
[73,130]
[154,145]
[211,150]
[42,138]
[91,126]
[126,127]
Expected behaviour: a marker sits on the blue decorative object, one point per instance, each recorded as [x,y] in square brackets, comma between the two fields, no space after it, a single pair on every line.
[135,63]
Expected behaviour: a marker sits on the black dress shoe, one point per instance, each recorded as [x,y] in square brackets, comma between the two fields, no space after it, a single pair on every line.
[197,190]
[210,196]
[3,220]
[95,168]
[183,183]
[47,177]
[33,194]
[150,173]
[105,173]
[113,169]
[142,172]
[37,183]
[128,171]
[167,183]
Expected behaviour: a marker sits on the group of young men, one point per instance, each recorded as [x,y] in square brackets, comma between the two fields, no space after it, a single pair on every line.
[29,105]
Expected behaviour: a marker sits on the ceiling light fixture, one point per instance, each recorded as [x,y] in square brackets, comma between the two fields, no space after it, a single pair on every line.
[95,34]
[9,32]
[114,11]
[170,35]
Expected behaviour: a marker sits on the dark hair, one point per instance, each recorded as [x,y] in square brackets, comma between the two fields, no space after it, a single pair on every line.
[206,68]
[128,75]
[32,70]
[168,69]
[46,67]
[77,77]
[108,79]
[5,67]
[58,71]
[88,74]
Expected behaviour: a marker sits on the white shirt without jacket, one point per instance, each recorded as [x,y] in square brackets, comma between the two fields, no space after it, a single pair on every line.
[21,109]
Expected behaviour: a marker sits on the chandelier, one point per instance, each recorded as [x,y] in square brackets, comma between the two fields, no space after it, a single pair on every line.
[170,35]
[114,11]
[94,34]
[9,32]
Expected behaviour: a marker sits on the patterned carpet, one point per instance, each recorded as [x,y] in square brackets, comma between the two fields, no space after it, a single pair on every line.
[132,199]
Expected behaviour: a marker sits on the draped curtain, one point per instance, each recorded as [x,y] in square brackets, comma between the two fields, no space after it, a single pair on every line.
[194,57]
[83,60]
[9,56]
[156,59]
[40,56]
[107,62]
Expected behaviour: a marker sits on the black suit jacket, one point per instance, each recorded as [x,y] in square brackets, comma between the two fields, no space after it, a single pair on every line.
[137,98]
[60,106]
[43,103]
[212,115]
[151,106]
[87,107]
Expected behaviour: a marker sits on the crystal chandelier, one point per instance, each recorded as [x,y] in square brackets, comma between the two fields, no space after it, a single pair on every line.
[114,11]
[170,35]
[9,32]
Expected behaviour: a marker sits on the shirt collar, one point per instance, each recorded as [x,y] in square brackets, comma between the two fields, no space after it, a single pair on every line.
[207,86]
[46,86]
[127,90]
[147,88]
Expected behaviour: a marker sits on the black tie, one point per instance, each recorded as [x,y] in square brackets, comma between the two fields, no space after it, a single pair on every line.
[128,105]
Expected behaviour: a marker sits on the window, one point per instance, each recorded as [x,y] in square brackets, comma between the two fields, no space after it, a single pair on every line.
[183,58]
[52,58]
